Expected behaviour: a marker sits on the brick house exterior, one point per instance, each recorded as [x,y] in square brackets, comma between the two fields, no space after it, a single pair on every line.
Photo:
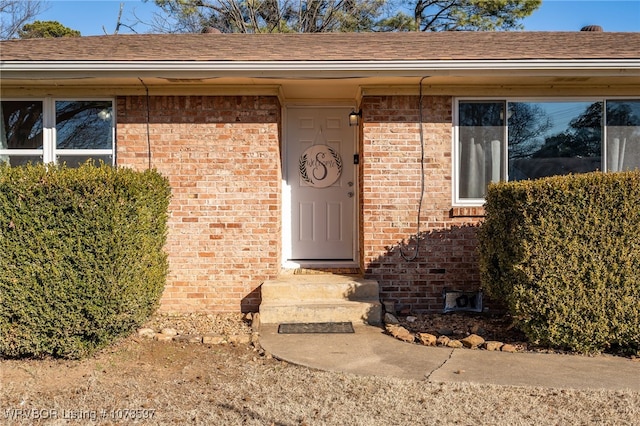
[215,123]
[247,201]
[391,192]
[225,179]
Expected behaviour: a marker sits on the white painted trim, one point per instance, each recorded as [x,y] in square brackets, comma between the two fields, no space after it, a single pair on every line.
[287,250]
[318,103]
[49,129]
[71,152]
[21,152]
[324,67]
[538,88]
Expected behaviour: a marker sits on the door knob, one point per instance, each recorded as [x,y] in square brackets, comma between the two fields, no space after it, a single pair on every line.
[350,194]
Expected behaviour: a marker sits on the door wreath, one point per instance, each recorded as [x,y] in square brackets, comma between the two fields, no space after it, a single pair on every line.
[320,166]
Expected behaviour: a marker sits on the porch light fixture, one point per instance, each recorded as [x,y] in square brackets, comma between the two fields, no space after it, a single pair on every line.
[354,117]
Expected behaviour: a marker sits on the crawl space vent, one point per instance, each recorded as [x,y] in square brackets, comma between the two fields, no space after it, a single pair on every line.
[462,301]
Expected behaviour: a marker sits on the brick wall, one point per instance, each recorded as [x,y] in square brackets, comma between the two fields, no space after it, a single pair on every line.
[221,155]
[390,191]
[222,158]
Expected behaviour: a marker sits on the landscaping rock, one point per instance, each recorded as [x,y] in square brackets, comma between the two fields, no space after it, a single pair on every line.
[211,329]
[390,319]
[508,348]
[213,339]
[454,344]
[411,319]
[239,339]
[492,345]
[188,338]
[148,333]
[163,337]
[400,333]
[255,321]
[472,341]
[442,341]
[427,339]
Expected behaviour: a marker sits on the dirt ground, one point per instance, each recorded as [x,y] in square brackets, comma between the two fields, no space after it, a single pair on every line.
[142,381]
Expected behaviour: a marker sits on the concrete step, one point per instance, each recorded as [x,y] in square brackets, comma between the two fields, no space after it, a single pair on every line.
[319,287]
[320,298]
[338,311]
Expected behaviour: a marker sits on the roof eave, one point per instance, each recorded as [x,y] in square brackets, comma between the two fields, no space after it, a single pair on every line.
[319,69]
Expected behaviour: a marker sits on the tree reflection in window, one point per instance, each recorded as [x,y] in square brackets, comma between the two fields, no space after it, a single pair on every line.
[84,125]
[554,138]
[21,125]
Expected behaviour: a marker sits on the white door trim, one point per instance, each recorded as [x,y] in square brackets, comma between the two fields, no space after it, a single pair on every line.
[287,249]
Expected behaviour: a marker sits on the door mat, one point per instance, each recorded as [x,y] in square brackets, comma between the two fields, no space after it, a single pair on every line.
[316,327]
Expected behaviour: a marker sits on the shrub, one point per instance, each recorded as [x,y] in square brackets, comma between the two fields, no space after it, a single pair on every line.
[563,253]
[82,256]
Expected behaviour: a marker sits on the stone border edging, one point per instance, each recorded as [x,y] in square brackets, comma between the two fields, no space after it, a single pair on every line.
[169,334]
[472,341]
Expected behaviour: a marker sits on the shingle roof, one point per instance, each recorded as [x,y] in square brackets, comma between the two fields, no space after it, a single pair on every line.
[414,46]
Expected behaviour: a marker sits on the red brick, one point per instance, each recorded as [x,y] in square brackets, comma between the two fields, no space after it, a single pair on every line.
[221,155]
[390,146]
[207,143]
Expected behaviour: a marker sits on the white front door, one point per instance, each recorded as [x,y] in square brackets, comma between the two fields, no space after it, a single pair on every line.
[322,182]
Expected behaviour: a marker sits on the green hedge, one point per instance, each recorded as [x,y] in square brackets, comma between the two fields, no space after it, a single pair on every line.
[81,256]
[563,254]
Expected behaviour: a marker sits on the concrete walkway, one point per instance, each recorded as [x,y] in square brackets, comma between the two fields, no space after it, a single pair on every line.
[369,351]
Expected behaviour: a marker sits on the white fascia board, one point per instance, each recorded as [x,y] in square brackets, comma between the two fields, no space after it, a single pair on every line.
[322,68]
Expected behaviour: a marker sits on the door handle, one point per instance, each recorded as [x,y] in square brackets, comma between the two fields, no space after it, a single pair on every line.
[350,194]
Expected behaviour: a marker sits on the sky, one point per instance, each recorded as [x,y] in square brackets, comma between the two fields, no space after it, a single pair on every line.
[99,17]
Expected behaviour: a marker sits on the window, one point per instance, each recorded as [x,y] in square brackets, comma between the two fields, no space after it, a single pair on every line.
[623,135]
[518,139]
[481,137]
[56,131]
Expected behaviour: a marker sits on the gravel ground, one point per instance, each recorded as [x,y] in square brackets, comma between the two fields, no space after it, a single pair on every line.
[197,323]
[142,381]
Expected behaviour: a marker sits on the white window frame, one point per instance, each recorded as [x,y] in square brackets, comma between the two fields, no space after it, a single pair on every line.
[49,152]
[475,202]
[467,202]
